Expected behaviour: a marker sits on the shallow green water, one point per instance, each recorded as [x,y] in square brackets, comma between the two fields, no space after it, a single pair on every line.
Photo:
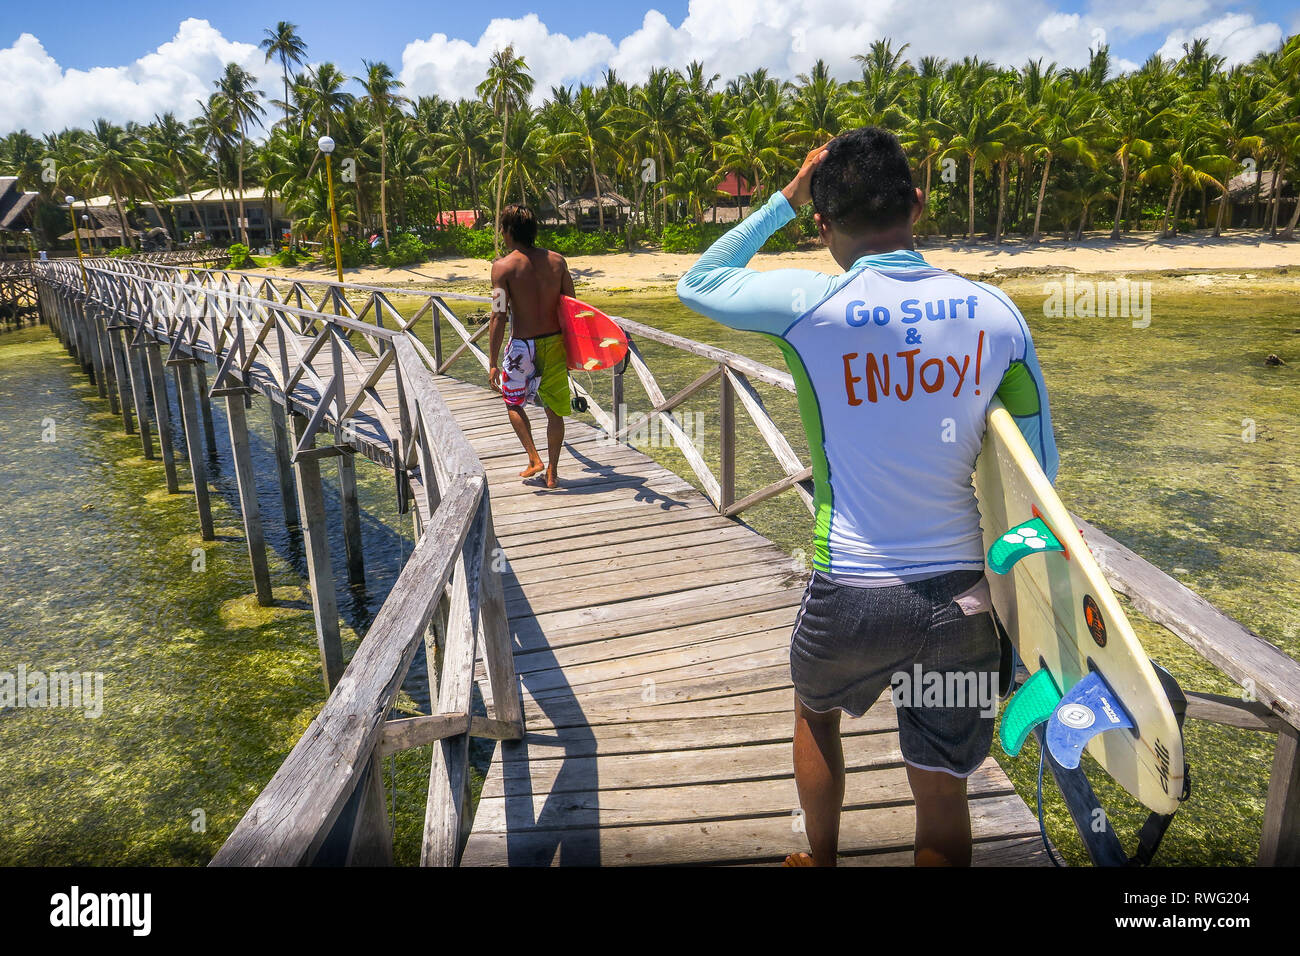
[204,692]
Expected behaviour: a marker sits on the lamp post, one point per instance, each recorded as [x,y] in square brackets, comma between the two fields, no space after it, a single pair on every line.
[76,237]
[326,146]
[31,251]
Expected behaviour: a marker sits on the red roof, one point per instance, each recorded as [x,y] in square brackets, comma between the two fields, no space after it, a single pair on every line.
[734,185]
[458,217]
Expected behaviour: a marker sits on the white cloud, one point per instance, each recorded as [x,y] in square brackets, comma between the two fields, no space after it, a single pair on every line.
[42,97]
[452,68]
[1234,36]
[730,36]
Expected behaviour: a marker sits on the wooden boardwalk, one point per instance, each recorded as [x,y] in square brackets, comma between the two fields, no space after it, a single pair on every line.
[651,637]
[637,638]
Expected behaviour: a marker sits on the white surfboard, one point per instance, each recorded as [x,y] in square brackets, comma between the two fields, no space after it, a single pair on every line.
[1061,614]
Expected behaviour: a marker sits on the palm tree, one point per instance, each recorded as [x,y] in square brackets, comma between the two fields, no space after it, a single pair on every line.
[244,103]
[753,148]
[692,183]
[976,129]
[111,160]
[172,148]
[380,84]
[1065,122]
[507,87]
[283,42]
[593,122]
[659,113]
[462,144]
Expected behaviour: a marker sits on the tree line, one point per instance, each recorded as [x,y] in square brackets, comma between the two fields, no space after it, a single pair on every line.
[997,150]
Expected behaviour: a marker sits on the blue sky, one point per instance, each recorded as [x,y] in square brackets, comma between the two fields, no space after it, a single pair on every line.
[77,32]
[64,63]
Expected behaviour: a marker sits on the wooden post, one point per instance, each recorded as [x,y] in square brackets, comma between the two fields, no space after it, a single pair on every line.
[437,339]
[616,400]
[449,772]
[1279,843]
[243,458]
[351,519]
[198,467]
[498,653]
[284,463]
[205,403]
[176,373]
[106,363]
[162,414]
[122,374]
[727,444]
[324,602]
[139,392]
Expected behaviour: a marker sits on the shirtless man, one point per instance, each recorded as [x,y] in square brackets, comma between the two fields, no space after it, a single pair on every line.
[527,283]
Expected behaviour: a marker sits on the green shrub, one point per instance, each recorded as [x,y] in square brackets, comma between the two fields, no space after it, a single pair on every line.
[285,257]
[354,252]
[406,249]
[120,251]
[462,241]
[570,241]
[239,256]
[696,237]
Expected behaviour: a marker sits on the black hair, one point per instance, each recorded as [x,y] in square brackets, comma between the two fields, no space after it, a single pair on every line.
[865,183]
[519,223]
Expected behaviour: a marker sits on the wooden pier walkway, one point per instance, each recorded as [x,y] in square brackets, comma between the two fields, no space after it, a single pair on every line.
[632,647]
[651,637]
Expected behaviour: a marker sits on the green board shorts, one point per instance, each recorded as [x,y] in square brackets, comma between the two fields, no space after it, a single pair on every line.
[536,371]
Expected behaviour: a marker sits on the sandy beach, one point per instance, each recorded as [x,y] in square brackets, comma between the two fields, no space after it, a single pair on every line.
[1240,250]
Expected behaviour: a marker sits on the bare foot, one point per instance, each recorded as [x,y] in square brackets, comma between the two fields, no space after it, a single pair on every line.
[532,469]
[799,859]
[552,480]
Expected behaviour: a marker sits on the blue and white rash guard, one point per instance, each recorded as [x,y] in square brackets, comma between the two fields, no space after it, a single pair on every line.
[895,363]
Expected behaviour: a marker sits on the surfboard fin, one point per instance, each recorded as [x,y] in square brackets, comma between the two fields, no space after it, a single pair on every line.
[1033,703]
[1088,709]
[1030,537]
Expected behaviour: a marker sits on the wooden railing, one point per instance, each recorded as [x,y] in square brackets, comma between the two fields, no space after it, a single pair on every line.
[338,372]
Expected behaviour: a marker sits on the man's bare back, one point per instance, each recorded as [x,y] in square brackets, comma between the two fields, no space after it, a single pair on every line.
[533,280]
[527,284]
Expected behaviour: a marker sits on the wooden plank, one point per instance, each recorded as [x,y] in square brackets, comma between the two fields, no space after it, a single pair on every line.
[162,414]
[752,839]
[198,462]
[1280,840]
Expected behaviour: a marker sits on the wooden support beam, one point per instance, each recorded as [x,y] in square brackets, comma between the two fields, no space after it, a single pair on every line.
[122,373]
[324,600]
[727,440]
[198,465]
[162,413]
[1279,843]
[351,519]
[243,458]
[449,772]
[205,403]
[134,356]
[284,463]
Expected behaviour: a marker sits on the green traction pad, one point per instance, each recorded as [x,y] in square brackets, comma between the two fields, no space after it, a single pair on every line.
[1028,538]
[1034,703]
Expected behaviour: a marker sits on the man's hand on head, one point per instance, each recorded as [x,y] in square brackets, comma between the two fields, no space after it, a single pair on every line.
[799,190]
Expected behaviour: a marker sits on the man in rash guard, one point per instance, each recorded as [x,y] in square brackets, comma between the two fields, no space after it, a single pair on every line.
[895,363]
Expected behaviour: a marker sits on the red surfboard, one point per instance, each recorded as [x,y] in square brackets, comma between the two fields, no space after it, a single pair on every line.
[591,338]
